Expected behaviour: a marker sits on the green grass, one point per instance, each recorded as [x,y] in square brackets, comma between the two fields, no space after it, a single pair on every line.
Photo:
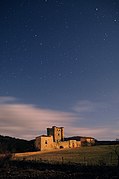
[93,155]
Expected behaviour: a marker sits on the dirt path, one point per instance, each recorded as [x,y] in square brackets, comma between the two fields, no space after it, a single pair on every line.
[25,154]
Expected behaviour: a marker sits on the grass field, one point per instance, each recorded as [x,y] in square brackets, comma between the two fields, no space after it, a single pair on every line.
[93,155]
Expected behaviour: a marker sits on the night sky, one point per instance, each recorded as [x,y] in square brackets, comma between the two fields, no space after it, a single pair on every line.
[59,65]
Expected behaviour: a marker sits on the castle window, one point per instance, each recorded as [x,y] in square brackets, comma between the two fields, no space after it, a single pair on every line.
[46,142]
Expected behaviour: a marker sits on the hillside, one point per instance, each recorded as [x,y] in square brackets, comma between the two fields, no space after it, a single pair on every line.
[10,144]
[91,155]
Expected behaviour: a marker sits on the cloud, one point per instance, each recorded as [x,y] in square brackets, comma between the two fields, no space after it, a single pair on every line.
[28,121]
[89,106]
[98,119]
[100,133]
[6,99]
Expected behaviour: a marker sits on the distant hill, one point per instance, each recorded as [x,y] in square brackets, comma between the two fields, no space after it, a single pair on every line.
[10,144]
[107,142]
[78,138]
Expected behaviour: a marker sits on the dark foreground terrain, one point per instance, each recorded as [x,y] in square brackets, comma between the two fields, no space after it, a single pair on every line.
[35,169]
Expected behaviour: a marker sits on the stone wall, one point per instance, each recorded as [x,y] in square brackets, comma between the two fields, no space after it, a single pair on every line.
[44,143]
[55,140]
[56,132]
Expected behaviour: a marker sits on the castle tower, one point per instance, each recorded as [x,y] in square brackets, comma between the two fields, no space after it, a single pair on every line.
[57,133]
[62,133]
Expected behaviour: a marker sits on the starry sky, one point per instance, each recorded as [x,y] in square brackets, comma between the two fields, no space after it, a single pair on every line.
[59,65]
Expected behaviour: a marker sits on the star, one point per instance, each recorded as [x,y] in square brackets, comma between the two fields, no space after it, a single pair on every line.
[21,69]
[35,35]
[41,78]
[13,74]
[41,43]
[96,9]
[70,72]
[41,62]
[59,74]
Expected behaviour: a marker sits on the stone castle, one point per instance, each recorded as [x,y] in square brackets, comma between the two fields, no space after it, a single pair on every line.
[55,140]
